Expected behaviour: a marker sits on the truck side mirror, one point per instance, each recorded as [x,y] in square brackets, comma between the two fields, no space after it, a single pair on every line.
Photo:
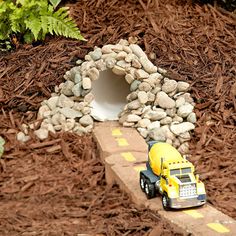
[197,178]
[165,172]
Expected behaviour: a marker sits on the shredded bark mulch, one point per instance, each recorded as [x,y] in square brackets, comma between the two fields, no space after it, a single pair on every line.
[194,43]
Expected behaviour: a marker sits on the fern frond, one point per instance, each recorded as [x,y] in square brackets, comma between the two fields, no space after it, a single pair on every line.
[61,24]
[34,25]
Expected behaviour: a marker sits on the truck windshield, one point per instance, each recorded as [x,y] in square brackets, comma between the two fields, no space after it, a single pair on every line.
[186,170]
[180,171]
[175,172]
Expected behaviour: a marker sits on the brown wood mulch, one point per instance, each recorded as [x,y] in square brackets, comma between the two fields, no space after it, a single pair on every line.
[46,187]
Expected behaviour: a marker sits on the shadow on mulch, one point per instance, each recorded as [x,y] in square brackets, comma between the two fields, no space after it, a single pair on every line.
[194,43]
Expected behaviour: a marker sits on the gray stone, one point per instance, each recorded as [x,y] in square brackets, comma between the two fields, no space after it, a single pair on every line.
[121,56]
[144,86]
[89,98]
[70,113]
[96,54]
[48,127]
[134,105]
[171,112]
[155,115]
[134,85]
[143,123]
[123,42]
[151,97]
[137,50]
[41,133]
[142,97]
[157,134]
[133,118]
[184,148]
[105,56]
[164,101]
[129,57]
[78,62]
[141,74]
[93,74]
[100,65]
[58,127]
[87,84]
[165,121]
[87,57]
[127,49]
[132,96]
[86,110]
[86,120]
[136,64]
[68,125]
[185,110]
[178,129]
[169,85]
[118,70]
[184,137]
[182,86]
[42,110]
[192,118]
[123,64]
[176,143]
[177,119]
[147,65]
[162,71]
[143,132]
[106,49]
[110,62]
[64,101]
[22,137]
[129,78]
[77,78]
[67,88]
[153,125]
[117,48]
[77,90]
[180,102]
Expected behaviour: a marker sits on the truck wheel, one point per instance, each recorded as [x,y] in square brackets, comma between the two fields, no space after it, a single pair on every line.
[149,189]
[142,181]
[165,202]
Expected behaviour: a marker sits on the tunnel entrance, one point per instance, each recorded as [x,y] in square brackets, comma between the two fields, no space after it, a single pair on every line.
[110,92]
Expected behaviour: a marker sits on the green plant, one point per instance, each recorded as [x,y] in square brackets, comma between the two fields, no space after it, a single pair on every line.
[2,142]
[34,19]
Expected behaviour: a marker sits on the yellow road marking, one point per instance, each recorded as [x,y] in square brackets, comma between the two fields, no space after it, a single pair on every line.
[122,142]
[218,227]
[128,156]
[139,168]
[116,132]
[194,213]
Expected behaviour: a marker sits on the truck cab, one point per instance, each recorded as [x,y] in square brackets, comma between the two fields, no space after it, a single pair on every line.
[172,176]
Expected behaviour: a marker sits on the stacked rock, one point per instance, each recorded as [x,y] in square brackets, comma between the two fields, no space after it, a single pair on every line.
[160,108]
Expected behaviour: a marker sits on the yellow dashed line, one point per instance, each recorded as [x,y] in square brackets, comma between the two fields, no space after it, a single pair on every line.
[116,132]
[139,168]
[195,214]
[128,156]
[219,228]
[122,142]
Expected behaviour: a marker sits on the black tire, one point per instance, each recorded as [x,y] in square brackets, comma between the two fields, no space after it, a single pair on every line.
[149,189]
[165,202]
[142,181]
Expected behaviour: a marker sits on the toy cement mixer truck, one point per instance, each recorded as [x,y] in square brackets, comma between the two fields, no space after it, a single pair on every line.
[169,174]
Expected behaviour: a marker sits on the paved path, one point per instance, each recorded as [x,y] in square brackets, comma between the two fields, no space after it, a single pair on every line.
[124,153]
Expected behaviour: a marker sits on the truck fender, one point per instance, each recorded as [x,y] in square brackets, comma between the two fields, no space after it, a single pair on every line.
[149,175]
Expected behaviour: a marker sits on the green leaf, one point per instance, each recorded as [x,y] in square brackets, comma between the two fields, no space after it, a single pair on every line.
[34,25]
[55,3]
[2,142]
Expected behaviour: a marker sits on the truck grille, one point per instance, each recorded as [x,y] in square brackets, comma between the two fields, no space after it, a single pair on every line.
[187,190]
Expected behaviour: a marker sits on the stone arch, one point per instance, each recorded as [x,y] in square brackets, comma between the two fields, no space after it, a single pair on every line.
[159,107]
